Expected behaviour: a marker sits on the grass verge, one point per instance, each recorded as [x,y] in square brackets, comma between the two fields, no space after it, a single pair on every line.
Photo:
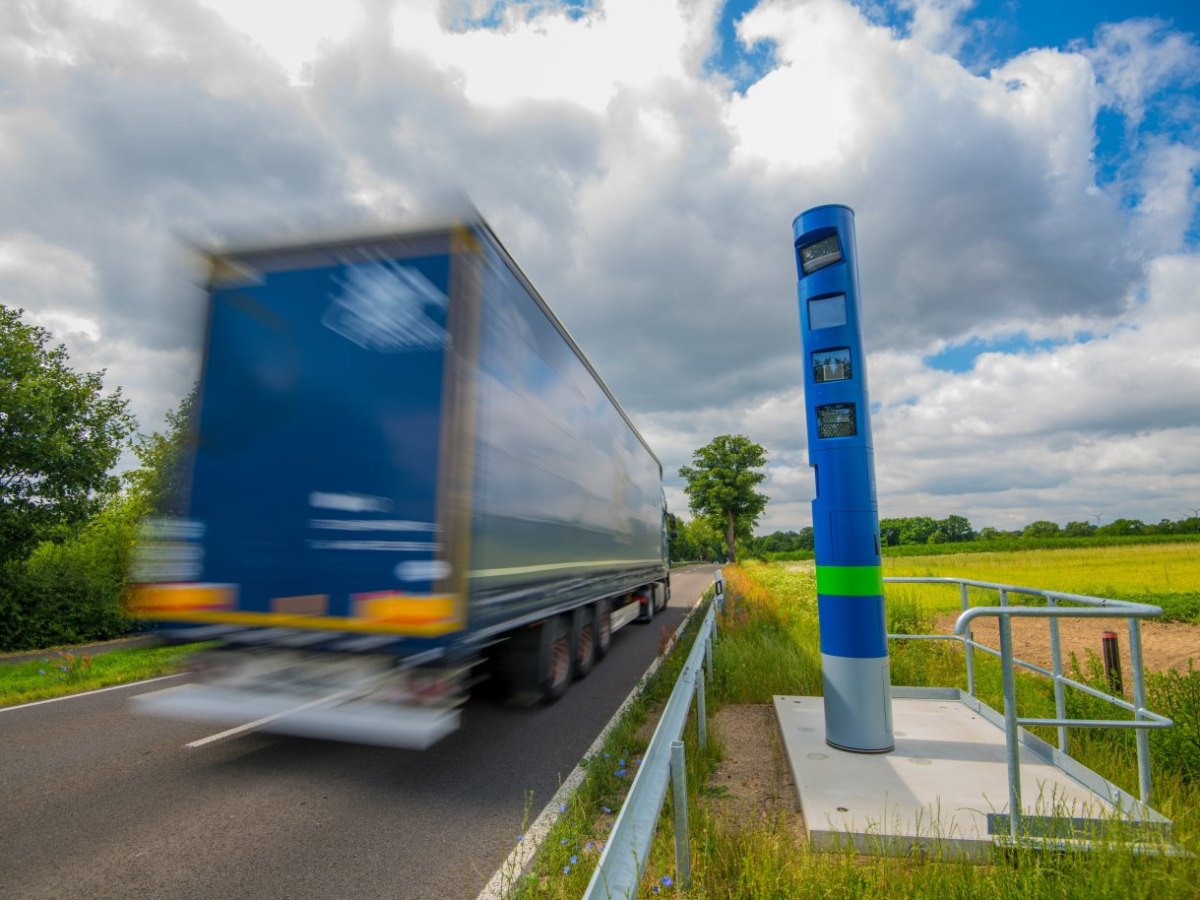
[62,672]
[569,853]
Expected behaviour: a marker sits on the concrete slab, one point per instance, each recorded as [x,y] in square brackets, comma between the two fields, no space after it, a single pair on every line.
[933,792]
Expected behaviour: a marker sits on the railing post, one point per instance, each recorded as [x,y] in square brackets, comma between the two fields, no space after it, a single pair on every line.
[968,649]
[1060,700]
[1011,745]
[1139,703]
[683,855]
[701,714]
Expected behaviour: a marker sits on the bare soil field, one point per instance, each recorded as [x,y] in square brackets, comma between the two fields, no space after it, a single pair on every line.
[1165,645]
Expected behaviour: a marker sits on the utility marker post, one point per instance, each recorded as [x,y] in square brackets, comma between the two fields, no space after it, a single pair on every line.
[854,654]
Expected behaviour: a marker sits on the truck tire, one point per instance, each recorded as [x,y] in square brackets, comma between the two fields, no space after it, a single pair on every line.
[603,611]
[646,616]
[583,640]
[555,659]
[662,594]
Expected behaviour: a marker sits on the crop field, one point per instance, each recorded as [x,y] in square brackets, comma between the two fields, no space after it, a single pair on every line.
[1167,575]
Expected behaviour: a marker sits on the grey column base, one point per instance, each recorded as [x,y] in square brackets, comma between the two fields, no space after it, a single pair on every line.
[858,703]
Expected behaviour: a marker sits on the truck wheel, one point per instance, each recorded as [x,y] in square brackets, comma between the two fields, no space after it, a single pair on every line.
[555,658]
[583,639]
[646,616]
[662,595]
[603,628]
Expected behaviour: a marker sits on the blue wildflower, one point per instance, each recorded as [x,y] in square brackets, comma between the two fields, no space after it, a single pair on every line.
[574,859]
[520,837]
[590,845]
[654,889]
[620,762]
[667,882]
[562,807]
[621,773]
[606,809]
[563,842]
[566,870]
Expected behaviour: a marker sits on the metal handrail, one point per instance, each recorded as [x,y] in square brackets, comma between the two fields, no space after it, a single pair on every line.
[619,869]
[1097,607]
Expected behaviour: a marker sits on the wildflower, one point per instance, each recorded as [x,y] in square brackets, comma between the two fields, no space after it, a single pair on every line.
[563,842]
[562,807]
[520,837]
[566,870]
[574,859]
[606,756]
[667,882]
[620,762]
[621,773]
[654,889]
[590,845]
[606,809]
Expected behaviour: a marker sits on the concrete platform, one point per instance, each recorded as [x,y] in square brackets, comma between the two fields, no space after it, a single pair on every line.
[936,790]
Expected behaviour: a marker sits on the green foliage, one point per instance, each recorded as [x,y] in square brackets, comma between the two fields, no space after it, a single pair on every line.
[59,437]
[161,483]
[696,540]
[1040,528]
[721,482]
[69,592]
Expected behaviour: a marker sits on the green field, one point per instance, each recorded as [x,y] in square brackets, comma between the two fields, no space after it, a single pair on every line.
[1165,574]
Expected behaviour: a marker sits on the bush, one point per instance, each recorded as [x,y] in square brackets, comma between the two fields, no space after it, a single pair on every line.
[69,592]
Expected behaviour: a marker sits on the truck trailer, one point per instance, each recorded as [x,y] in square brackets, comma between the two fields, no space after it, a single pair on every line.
[407,480]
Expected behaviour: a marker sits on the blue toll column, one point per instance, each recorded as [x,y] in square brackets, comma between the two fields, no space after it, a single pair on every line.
[854,656]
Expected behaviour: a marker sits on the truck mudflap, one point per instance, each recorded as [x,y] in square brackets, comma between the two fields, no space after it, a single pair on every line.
[358,721]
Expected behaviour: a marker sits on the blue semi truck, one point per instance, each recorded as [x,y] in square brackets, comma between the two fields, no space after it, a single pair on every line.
[407,479]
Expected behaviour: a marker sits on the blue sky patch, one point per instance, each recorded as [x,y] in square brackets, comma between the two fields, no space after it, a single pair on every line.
[742,66]
[961,357]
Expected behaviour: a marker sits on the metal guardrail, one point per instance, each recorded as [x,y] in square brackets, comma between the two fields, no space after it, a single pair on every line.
[619,869]
[1092,607]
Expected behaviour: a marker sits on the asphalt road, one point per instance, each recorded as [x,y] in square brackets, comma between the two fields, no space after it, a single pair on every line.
[97,802]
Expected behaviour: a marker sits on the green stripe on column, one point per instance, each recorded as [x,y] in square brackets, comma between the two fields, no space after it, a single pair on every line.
[850,581]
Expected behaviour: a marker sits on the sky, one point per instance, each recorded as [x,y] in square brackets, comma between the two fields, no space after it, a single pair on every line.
[1025,178]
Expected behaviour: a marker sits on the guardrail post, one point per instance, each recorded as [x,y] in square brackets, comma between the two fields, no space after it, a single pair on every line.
[967,647]
[683,855]
[1011,745]
[701,714]
[1060,700]
[708,651]
[1139,703]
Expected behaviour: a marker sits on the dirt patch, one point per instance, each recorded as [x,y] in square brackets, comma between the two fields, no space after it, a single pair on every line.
[1165,645]
[752,783]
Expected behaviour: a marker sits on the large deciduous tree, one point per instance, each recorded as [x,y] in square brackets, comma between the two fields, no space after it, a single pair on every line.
[721,482]
[60,435]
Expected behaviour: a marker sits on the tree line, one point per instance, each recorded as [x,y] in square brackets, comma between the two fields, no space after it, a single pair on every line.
[68,525]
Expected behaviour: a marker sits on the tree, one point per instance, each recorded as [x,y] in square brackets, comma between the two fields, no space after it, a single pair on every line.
[721,482]
[1079,529]
[1040,528]
[161,484]
[59,437]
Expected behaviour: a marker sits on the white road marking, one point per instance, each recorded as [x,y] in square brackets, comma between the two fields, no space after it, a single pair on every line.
[115,687]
